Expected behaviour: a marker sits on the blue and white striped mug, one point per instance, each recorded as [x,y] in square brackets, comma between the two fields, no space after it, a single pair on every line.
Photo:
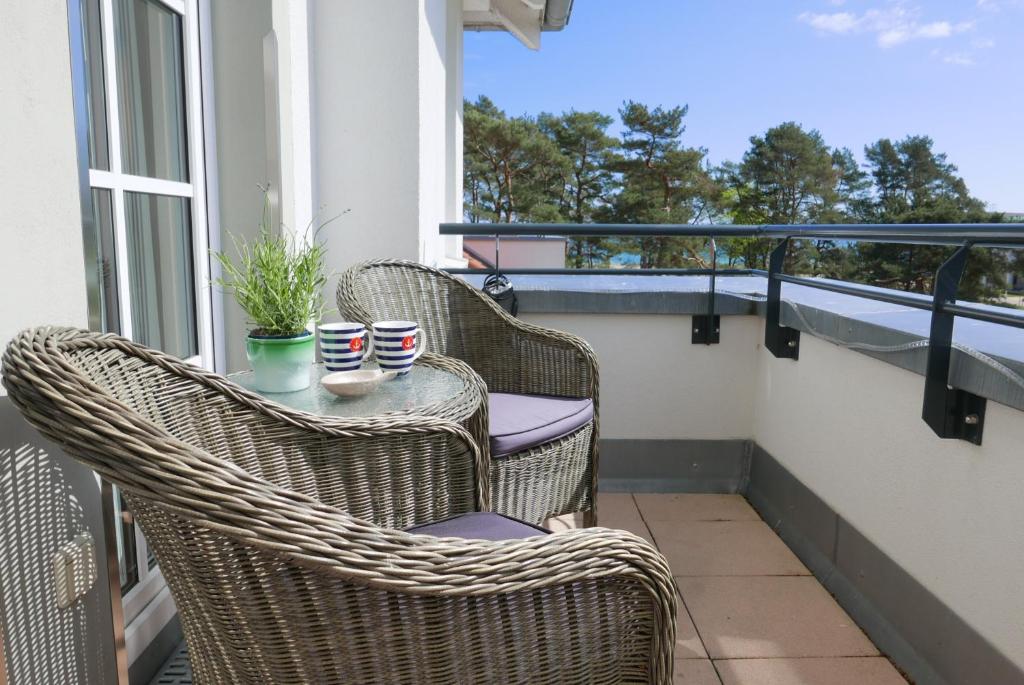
[344,345]
[395,344]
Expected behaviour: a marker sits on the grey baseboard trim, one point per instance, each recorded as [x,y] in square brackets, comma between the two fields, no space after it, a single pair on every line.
[912,626]
[635,465]
[148,664]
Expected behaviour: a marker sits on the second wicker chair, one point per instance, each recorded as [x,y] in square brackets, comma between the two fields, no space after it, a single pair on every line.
[543,384]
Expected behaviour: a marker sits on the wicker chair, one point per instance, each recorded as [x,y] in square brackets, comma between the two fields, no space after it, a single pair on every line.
[277,533]
[511,356]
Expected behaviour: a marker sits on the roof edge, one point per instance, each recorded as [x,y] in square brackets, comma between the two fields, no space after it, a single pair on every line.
[556,15]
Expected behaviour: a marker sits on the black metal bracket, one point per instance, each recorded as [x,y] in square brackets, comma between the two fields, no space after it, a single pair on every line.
[951,412]
[707,327]
[781,341]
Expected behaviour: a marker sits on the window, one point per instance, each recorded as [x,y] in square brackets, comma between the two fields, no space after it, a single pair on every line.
[145,237]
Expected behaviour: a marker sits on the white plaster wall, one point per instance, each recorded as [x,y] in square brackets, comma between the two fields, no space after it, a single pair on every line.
[240,127]
[291,26]
[42,259]
[384,91]
[949,512]
[365,78]
[656,384]
[45,498]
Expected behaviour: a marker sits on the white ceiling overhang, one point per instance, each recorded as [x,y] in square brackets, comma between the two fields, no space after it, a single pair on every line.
[524,19]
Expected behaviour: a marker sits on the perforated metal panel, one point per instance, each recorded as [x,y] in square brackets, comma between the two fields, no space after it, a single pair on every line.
[176,670]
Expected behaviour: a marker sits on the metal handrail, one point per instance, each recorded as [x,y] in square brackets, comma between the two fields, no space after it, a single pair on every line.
[979,235]
[951,412]
[987,235]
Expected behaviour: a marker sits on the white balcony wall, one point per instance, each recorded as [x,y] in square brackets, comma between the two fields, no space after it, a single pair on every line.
[656,385]
[45,498]
[949,512]
[849,427]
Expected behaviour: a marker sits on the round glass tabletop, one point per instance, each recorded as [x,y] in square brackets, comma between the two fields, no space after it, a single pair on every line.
[423,387]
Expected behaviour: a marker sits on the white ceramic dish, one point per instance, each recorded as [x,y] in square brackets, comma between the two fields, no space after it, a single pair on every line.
[355,383]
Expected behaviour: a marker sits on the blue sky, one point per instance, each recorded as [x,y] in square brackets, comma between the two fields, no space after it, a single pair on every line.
[857,70]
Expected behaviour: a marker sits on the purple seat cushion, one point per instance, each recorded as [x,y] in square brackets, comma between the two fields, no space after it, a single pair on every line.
[480,525]
[519,422]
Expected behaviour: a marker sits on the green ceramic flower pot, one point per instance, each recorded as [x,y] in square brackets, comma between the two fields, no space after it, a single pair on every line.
[281,364]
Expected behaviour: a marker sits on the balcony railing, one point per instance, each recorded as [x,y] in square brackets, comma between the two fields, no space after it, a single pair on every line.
[950,412]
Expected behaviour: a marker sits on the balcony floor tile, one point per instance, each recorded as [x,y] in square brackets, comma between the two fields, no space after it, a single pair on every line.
[724,548]
[694,672]
[688,642]
[834,671]
[694,507]
[758,616]
[618,510]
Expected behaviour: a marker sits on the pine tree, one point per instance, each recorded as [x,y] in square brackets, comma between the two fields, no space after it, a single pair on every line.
[512,171]
[583,140]
[914,184]
[662,182]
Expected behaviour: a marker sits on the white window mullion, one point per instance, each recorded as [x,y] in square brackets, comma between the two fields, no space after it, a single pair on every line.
[110,83]
[124,291]
[111,177]
[177,6]
[140,184]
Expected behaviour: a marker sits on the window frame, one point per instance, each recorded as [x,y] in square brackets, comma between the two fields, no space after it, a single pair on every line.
[141,612]
[118,182]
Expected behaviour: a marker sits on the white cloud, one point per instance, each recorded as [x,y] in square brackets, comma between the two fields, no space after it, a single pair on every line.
[961,59]
[839,22]
[998,5]
[937,29]
[891,26]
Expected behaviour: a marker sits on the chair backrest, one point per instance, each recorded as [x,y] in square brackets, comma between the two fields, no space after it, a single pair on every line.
[201,465]
[459,320]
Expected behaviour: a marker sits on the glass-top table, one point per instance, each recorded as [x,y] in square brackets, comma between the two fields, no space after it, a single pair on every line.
[426,389]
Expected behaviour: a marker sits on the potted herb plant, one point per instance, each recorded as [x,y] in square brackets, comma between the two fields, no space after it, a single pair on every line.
[278,280]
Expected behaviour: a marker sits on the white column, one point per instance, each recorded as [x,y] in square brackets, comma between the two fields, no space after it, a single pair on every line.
[291,26]
[387,99]
[453,209]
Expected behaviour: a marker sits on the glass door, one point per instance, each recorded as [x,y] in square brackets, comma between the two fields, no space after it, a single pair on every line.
[146,243]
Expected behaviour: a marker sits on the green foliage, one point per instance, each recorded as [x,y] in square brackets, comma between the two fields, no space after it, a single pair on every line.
[512,170]
[913,185]
[277,280]
[661,181]
[583,141]
[568,168]
[790,176]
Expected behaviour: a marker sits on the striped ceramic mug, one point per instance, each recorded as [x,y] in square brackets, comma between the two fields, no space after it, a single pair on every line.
[343,345]
[395,344]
